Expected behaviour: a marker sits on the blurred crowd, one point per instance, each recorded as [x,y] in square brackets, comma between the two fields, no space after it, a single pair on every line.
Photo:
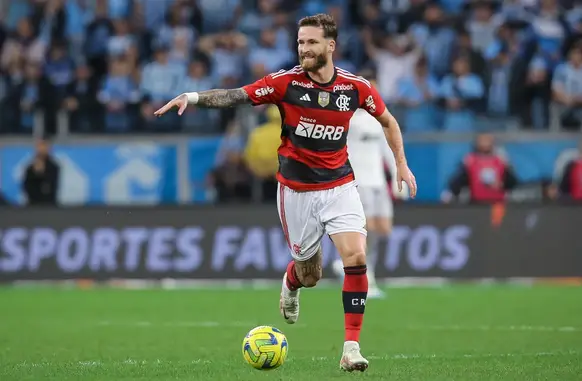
[449,65]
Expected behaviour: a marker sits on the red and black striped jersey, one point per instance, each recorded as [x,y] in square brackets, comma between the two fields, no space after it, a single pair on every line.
[315,121]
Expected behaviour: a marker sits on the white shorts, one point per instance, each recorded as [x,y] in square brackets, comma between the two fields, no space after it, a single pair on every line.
[376,201]
[307,216]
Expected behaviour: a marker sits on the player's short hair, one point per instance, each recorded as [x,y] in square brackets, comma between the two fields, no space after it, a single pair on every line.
[323,21]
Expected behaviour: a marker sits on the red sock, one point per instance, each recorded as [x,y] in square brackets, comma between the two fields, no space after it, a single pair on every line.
[292,281]
[355,292]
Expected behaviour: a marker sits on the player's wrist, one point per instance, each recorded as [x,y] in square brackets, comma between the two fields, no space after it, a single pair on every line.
[192,97]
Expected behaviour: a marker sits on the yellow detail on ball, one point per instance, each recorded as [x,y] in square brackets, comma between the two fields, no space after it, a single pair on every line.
[265,348]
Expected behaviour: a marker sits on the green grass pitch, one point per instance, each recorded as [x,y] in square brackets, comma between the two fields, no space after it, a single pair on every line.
[458,332]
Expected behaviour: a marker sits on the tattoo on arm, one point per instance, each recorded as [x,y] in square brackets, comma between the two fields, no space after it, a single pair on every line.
[220,98]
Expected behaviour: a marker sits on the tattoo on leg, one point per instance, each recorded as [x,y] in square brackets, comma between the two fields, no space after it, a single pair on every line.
[309,272]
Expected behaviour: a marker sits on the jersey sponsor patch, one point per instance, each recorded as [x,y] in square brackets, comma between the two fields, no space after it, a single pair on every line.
[263,91]
[319,131]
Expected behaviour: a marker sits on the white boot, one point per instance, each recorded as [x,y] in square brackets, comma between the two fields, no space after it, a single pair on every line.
[352,359]
[289,303]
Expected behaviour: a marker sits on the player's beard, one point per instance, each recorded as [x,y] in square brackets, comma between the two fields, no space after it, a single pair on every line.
[320,60]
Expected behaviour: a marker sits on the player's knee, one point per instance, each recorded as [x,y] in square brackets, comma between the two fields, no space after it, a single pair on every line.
[385,227]
[310,279]
[354,258]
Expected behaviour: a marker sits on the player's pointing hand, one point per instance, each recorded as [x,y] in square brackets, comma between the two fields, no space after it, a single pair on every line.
[181,101]
[405,174]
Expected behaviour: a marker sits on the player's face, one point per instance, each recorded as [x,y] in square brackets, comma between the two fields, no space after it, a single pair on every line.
[313,48]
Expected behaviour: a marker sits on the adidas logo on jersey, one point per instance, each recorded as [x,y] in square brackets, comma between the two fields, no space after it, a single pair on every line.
[319,131]
[305,98]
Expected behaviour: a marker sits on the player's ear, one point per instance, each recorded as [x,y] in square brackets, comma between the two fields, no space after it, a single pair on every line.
[331,46]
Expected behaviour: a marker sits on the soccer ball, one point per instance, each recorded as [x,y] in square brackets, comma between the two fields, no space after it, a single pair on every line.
[265,348]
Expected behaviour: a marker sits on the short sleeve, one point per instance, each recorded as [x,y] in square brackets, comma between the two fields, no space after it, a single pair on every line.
[267,90]
[372,102]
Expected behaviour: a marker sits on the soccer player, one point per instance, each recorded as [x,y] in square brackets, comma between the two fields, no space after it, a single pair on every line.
[368,152]
[317,189]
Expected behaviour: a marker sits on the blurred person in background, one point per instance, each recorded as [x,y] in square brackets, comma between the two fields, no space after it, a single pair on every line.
[351,52]
[417,93]
[462,94]
[537,92]
[81,103]
[231,180]
[261,153]
[435,38]
[41,177]
[482,25]
[394,58]
[194,119]
[570,181]
[59,70]
[13,76]
[505,87]
[31,95]
[255,20]
[464,47]
[567,88]
[149,14]
[160,79]
[227,51]
[180,30]
[22,42]
[486,174]
[119,96]
[547,31]
[97,36]
[219,15]
[413,14]
[372,18]
[122,40]
[267,57]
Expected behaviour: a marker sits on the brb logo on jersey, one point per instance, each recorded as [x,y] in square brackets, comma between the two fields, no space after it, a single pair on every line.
[264,91]
[309,128]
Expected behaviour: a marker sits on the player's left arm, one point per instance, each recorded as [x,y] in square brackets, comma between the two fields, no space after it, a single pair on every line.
[374,104]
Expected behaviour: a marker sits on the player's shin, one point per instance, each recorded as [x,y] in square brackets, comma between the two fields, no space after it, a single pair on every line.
[355,293]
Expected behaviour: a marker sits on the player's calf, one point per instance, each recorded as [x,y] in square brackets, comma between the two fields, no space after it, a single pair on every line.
[309,272]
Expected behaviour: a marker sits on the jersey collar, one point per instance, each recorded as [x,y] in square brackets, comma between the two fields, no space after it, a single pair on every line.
[333,78]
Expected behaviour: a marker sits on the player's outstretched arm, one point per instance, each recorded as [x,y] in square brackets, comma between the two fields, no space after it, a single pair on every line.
[217,98]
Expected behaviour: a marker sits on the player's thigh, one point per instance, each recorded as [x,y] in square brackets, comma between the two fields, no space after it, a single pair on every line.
[301,226]
[345,222]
